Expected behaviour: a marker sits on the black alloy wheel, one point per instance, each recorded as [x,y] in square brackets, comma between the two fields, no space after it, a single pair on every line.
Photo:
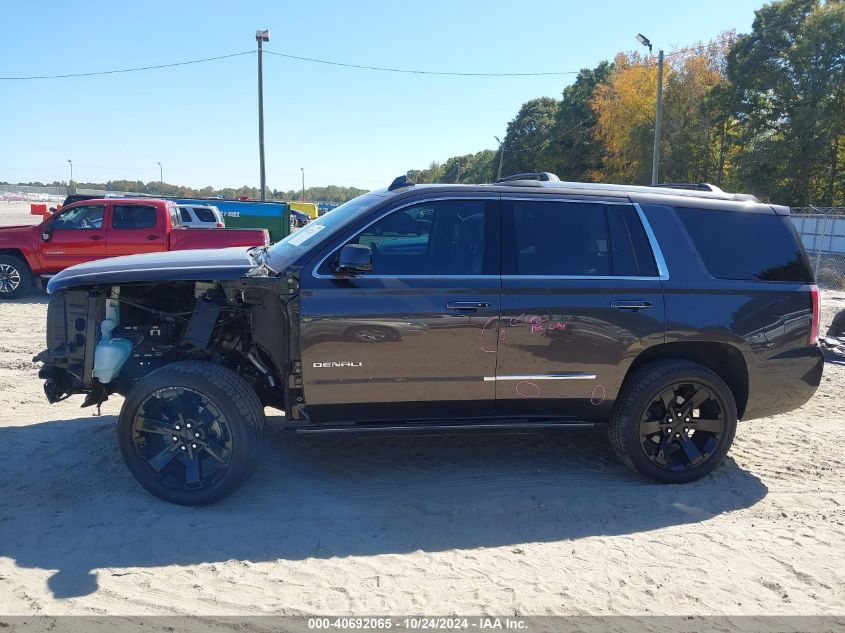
[191,432]
[674,421]
[682,427]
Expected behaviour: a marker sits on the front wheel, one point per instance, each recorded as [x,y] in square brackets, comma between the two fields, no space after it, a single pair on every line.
[15,278]
[674,421]
[191,432]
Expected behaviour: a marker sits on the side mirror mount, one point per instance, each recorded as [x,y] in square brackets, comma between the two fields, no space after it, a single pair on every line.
[355,258]
[47,229]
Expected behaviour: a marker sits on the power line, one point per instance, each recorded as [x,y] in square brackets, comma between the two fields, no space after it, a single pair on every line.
[128,70]
[411,71]
[418,72]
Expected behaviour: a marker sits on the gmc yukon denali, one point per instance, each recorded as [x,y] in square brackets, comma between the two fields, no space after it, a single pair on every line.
[665,314]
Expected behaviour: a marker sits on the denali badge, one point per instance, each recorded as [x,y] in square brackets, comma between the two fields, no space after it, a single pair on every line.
[343,363]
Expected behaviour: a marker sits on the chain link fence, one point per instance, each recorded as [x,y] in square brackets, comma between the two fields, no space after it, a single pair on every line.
[822,230]
[29,193]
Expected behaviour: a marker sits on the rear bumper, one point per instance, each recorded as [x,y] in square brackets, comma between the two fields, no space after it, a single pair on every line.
[784,382]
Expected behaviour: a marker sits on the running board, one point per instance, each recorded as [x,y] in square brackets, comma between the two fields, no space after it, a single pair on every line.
[511,427]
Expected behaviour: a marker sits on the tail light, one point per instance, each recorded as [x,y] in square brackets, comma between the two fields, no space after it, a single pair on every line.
[814,328]
[220,225]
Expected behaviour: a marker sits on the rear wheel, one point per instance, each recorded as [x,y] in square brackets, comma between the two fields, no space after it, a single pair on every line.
[191,432]
[15,278]
[674,421]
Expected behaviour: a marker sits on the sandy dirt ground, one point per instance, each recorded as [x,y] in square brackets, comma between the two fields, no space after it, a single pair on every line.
[534,524]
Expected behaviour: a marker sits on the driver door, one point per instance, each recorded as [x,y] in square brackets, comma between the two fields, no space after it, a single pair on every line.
[414,338]
[77,235]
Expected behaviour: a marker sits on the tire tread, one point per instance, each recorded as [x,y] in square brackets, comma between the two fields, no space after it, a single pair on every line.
[636,386]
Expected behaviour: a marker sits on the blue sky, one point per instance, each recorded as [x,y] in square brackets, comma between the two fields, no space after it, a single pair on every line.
[343,126]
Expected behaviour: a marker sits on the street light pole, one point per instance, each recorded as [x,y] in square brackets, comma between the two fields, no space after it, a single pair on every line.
[160,178]
[501,156]
[70,182]
[658,116]
[302,169]
[261,37]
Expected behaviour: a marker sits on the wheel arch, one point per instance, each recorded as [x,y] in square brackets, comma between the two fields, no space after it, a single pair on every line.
[17,254]
[723,359]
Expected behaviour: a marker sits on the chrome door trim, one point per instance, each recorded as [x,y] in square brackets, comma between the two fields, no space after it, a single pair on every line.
[662,270]
[542,377]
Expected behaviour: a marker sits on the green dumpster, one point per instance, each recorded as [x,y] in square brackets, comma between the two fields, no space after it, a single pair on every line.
[249,214]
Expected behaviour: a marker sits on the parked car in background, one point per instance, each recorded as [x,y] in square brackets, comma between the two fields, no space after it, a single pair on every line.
[201,216]
[100,228]
[298,219]
[308,208]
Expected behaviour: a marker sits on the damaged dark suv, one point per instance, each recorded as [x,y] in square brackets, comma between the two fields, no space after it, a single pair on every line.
[664,313]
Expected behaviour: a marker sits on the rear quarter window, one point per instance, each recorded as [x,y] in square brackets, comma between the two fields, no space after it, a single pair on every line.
[745,246]
[205,214]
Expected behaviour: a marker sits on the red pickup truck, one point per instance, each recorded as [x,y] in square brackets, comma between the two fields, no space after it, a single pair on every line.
[95,229]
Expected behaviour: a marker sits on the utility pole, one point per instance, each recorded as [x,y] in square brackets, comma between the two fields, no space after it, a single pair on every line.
[302,169]
[261,37]
[501,156]
[70,182]
[160,178]
[655,160]
[658,116]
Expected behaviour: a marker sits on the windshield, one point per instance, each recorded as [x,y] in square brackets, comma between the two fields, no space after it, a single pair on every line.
[280,254]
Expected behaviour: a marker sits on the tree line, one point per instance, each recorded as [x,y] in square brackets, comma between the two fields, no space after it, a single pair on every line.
[331,193]
[762,112]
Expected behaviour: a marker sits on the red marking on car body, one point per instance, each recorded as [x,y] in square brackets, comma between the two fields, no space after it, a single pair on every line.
[527,389]
[598,395]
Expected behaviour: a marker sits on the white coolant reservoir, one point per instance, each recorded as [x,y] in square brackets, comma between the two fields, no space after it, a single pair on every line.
[110,353]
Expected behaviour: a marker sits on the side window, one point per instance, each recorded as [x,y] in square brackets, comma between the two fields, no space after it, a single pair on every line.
[186,215]
[745,245]
[205,214]
[560,238]
[433,238]
[131,216]
[631,251]
[580,239]
[80,218]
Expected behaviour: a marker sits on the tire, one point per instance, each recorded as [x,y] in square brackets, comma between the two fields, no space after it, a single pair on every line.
[15,277]
[681,449]
[203,437]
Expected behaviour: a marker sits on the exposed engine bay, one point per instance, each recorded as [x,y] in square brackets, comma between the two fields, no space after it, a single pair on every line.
[103,339]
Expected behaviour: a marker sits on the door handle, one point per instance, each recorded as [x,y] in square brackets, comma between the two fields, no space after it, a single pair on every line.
[96,238]
[467,306]
[630,304]
[152,237]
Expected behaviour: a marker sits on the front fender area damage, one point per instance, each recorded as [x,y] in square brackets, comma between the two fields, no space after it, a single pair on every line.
[102,339]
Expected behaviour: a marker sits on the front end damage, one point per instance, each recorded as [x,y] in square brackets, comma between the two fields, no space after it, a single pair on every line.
[102,339]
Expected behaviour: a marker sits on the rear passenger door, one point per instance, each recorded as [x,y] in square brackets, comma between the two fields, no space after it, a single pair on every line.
[581,297]
[134,229]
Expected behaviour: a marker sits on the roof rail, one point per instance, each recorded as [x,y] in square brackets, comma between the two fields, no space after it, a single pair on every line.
[543,176]
[400,182]
[693,186]
[706,186]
